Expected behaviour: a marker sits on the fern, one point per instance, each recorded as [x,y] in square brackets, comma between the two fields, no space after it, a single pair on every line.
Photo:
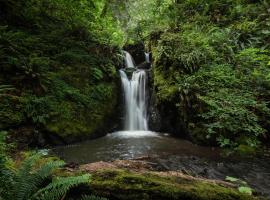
[92,198]
[25,181]
[32,181]
[59,187]
[30,176]
[6,88]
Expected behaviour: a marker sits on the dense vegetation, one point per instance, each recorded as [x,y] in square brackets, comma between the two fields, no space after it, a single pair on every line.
[58,66]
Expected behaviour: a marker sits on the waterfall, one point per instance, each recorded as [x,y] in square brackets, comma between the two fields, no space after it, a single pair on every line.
[129,60]
[147,57]
[135,93]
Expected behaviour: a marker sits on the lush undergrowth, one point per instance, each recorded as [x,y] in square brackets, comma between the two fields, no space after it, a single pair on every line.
[211,67]
[57,68]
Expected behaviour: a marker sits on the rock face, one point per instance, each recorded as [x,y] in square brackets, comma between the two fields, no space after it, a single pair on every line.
[133,180]
[137,52]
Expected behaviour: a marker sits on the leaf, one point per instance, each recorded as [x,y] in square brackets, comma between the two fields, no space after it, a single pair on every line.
[246,190]
[231,179]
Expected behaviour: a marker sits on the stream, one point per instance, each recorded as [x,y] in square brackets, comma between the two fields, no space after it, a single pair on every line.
[169,153]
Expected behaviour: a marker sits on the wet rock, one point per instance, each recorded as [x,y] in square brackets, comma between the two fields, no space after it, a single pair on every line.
[72,165]
[137,52]
[204,172]
[135,165]
[144,65]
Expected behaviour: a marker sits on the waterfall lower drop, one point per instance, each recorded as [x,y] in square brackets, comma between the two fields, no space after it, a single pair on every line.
[135,100]
[135,93]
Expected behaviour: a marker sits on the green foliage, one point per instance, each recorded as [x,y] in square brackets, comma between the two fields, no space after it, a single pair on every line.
[38,109]
[246,190]
[197,50]
[59,187]
[254,62]
[231,112]
[6,88]
[212,63]
[242,185]
[35,179]
[57,63]
[92,198]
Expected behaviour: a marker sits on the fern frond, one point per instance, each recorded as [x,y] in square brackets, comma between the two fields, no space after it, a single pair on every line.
[92,197]
[59,187]
[29,179]
[6,88]
[46,170]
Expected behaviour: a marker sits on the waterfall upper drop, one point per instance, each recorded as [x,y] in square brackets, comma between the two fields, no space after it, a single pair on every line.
[135,93]
[129,60]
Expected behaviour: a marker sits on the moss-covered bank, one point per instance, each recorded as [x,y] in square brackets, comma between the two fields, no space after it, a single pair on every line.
[127,185]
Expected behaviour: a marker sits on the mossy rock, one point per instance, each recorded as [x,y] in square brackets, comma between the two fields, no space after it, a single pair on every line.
[76,121]
[246,150]
[127,185]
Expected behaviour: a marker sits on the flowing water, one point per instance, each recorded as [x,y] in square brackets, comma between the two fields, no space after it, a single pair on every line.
[147,57]
[129,61]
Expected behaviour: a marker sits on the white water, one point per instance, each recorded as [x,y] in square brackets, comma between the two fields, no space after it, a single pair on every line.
[147,57]
[135,100]
[129,60]
[133,134]
[135,93]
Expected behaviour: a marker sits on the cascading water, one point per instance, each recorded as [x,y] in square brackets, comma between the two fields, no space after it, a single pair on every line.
[129,60]
[147,57]
[135,93]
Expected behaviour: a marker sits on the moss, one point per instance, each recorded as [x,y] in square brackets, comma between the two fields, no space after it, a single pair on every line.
[75,120]
[246,150]
[120,184]
[166,87]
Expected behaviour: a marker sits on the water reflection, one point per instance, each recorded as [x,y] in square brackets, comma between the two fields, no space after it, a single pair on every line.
[129,145]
